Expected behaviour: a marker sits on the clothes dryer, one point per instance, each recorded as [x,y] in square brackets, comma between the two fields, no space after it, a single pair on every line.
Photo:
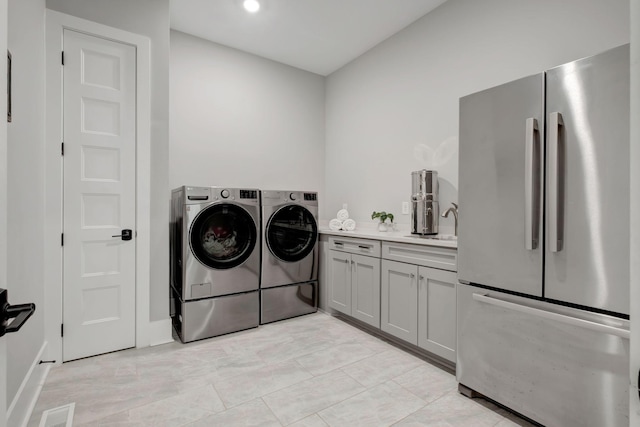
[215,260]
[289,279]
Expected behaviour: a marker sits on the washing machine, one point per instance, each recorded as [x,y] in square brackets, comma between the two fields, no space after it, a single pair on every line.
[215,260]
[289,279]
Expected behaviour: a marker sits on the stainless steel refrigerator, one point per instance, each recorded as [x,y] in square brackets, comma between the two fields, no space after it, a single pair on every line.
[543,249]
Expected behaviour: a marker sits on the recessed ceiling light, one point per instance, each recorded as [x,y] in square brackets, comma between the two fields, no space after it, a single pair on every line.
[251,5]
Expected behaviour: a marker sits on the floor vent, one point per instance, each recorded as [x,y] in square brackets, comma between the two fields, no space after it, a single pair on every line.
[62,416]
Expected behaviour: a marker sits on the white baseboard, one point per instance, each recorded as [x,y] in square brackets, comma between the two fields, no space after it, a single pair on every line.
[21,407]
[160,332]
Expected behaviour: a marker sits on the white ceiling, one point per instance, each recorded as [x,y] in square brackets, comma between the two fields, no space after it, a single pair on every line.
[315,35]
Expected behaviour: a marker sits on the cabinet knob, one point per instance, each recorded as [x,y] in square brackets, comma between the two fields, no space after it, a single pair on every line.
[421,277]
[347,261]
[413,275]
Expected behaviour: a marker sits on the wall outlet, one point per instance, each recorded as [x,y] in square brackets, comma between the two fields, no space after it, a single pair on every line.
[405,208]
[344,206]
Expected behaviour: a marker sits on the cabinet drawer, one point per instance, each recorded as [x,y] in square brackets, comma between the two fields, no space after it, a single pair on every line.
[355,246]
[427,256]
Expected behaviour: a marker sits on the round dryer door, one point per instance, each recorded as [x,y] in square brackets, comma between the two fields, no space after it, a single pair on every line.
[223,236]
[291,233]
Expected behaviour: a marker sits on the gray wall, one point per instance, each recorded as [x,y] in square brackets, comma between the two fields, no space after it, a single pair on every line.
[148,18]
[239,120]
[25,179]
[395,108]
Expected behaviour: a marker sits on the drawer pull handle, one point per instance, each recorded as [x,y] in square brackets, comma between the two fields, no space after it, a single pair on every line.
[549,315]
[364,247]
[338,243]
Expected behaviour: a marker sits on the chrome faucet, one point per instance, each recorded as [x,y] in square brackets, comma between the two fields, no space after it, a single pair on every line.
[453,210]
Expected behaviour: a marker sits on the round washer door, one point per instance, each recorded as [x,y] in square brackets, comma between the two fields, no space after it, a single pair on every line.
[291,233]
[223,236]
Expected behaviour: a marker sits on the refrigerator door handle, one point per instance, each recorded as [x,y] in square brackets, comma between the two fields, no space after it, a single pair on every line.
[549,315]
[532,184]
[555,182]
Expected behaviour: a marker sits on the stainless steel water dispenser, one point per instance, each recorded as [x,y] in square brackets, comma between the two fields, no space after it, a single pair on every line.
[424,202]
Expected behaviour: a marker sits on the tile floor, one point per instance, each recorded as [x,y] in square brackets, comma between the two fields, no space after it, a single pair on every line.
[314,370]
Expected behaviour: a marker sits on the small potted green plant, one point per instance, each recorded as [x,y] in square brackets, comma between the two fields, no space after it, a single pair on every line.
[382,216]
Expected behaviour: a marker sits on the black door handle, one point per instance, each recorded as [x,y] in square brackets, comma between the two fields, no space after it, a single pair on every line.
[19,312]
[126,234]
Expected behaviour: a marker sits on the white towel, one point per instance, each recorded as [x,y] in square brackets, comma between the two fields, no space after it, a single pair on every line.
[342,214]
[349,224]
[335,224]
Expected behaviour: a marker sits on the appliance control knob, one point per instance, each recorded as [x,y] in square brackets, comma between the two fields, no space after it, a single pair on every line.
[224,194]
[292,196]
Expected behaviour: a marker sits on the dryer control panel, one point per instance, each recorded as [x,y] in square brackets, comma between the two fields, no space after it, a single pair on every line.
[248,194]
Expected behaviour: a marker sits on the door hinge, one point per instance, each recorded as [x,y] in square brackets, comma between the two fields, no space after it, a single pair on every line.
[62,149]
[62,329]
[62,239]
[62,57]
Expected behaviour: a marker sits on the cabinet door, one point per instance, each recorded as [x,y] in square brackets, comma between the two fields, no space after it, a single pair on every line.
[365,289]
[339,281]
[399,300]
[437,312]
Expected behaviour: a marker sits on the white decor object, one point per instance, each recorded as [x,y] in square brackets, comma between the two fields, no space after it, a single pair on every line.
[349,225]
[342,214]
[335,224]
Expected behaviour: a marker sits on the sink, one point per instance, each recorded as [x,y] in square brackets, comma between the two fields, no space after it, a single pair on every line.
[449,237]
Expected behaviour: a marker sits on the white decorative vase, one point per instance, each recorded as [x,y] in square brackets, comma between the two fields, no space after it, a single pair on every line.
[382,226]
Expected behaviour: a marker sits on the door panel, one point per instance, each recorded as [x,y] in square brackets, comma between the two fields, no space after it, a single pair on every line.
[437,312]
[365,289]
[223,236]
[492,243]
[557,373]
[340,281]
[3,206]
[292,233]
[591,266]
[399,300]
[99,195]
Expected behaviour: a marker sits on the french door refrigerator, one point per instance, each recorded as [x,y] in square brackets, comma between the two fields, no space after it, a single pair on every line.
[543,246]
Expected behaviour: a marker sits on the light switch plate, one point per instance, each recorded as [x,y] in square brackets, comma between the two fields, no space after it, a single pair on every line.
[405,208]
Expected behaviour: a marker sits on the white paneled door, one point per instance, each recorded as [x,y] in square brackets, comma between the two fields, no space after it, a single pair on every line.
[3,207]
[99,157]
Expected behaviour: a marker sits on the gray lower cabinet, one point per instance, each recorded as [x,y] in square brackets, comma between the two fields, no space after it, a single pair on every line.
[410,293]
[418,302]
[365,289]
[399,311]
[437,311]
[339,281]
[354,286]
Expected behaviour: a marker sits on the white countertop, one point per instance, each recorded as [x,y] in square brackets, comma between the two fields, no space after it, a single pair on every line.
[391,236]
